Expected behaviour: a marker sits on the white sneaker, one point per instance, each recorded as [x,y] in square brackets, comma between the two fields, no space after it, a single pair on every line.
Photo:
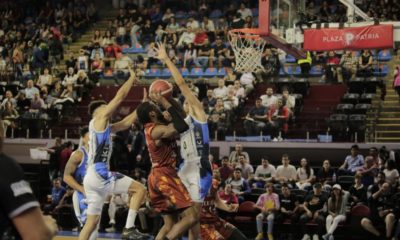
[110,229]
[306,237]
[315,237]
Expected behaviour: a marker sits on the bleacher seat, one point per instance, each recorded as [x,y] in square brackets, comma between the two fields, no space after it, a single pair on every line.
[362,108]
[166,73]
[153,73]
[290,59]
[357,123]
[317,70]
[210,72]
[381,70]
[301,86]
[338,123]
[134,50]
[221,72]
[283,82]
[282,72]
[356,85]
[184,72]
[371,84]
[351,98]
[246,212]
[366,98]
[346,182]
[358,212]
[384,55]
[345,108]
[196,72]
[297,71]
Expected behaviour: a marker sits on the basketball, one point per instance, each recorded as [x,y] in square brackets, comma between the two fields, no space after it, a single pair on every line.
[161,86]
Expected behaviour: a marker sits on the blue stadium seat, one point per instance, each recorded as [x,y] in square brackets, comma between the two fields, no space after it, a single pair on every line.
[153,73]
[166,73]
[381,70]
[210,72]
[196,72]
[297,71]
[137,49]
[281,72]
[288,70]
[221,72]
[215,14]
[384,55]
[290,59]
[184,72]
[316,70]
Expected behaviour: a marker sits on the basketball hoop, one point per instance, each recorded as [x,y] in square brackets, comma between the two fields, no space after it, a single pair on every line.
[248,47]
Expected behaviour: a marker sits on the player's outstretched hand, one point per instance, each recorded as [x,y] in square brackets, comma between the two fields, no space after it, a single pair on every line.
[161,52]
[157,97]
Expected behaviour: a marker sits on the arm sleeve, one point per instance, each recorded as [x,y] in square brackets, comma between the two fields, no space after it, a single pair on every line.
[177,120]
[246,186]
[16,193]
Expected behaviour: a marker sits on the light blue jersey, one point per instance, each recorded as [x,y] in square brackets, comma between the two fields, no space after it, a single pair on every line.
[80,205]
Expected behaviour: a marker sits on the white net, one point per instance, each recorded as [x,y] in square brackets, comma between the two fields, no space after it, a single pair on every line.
[248,49]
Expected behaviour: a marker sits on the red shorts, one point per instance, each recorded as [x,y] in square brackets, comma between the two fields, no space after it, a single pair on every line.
[167,192]
[214,228]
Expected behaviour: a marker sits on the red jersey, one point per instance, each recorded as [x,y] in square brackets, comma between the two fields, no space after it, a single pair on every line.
[160,156]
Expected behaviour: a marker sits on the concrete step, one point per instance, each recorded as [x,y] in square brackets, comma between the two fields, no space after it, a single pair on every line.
[395,133]
[386,126]
[388,139]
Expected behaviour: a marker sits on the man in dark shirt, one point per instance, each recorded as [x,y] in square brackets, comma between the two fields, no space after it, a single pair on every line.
[381,212]
[219,51]
[20,215]
[313,208]
[256,119]
[289,206]
[225,170]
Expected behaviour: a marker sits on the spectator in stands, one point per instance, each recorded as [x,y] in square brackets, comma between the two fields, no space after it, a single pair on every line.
[190,56]
[66,200]
[332,62]
[209,101]
[9,98]
[226,171]
[365,64]
[268,203]
[391,173]
[313,208]
[240,186]
[396,81]
[256,120]
[352,163]
[373,152]
[305,65]
[64,156]
[247,81]
[238,90]
[205,55]
[56,50]
[234,155]
[244,11]
[289,207]
[107,39]
[337,205]
[231,102]
[271,63]
[57,90]
[23,104]
[10,116]
[97,66]
[30,90]
[244,165]
[238,21]
[82,63]
[305,175]
[228,195]
[82,84]
[285,173]
[45,79]
[369,171]
[57,192]
[70,77]
[289,99]
[39,58]
[325,175]
[221,91]
[219,51]
[381,212]
[269,100]
[348,66]
[380,180]
[278,117]
[117,201]
[264,173]
[358,192]
[186,38]
[219,121]
[207,25]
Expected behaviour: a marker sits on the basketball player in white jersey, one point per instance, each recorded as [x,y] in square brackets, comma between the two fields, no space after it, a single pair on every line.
[195,172]
[99,182]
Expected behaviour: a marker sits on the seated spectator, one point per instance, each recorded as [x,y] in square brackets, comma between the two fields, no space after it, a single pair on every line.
[190,56]
[147,32]
[256,120]
[172,26]
[231,76]
[70,77]
[56,50]
[381,212]
[170,38]
[369,171]
[57,192]
[377,160]
[325,175]
[117,201]
[244,165]
[348,66]
[30,90]
[365,64]
[66,200]
[238,90]
[337,205]
[244,11]
[139,176]
[172,54]
[9,98]
[278,117]
[168,15]
[221,91]
[285,173]
[332,63]
[352,163]
[209,101]
[380,180]
[219,121]
[82,62]
[97,66]
[107,40]
[289,99]
[289,207]
[391,173]
[305,65]
[122,37]
[238,21]
[271,63]
[269,100]
[10,116]
[240,186]
[82,84]
[226,171]
[219,51]
[235,154]
[36,108]
[45,79]
[228,195]
[358,192]
[268,203]
[313,208]
[231,102]
[205,56]
[23,104]
[247,81]
[264,173]
[214,164]
[305,175]
[57,90]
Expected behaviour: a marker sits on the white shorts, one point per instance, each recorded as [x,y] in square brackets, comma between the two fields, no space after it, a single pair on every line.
[98,189]
[190,176]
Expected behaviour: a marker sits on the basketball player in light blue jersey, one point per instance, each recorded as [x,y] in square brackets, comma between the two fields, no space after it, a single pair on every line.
[74,172]
[195,172]
[99,181]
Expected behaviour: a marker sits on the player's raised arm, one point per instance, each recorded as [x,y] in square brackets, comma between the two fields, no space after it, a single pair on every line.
[124,123]
[195,107]
[72,164]
[119,97]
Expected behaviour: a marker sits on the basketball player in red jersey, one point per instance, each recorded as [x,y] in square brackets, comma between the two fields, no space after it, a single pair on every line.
[213,227]
[168,195]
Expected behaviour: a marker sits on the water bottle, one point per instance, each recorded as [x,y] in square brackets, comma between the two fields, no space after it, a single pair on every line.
[334,178]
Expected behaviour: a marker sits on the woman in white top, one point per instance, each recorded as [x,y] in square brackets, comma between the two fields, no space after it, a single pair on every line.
[391,173]
[70,78]
[172,26]
[45,79]
[305,175]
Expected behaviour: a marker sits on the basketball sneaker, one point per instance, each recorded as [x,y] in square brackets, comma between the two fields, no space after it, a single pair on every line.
[133,234]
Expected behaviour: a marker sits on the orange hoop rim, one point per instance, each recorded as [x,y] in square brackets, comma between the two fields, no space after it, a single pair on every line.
[247,33]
